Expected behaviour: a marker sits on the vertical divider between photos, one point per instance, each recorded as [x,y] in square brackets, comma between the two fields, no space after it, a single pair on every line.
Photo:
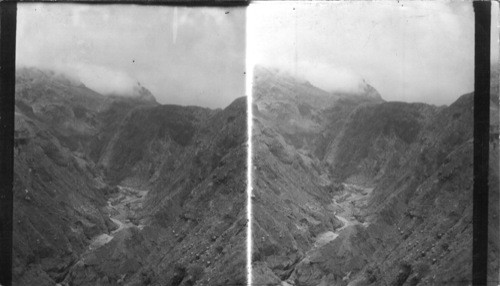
[493,184]
[248,92]
[7,91]
[482,14]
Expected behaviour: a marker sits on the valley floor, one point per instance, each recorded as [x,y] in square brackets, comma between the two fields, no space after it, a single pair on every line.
[347,206]
[122,208]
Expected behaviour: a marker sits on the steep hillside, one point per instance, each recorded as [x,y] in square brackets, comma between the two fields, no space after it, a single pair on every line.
[114,190]
[156,131]
[374,137]
[393,179]
[298,110]
[58,204]
[191,228]
[109,121]
[74,113]
[494,186]
[418,216]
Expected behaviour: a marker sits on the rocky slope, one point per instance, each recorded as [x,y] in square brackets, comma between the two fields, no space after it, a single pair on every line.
[192,221]
[357,191]
[114,190]
[58,198]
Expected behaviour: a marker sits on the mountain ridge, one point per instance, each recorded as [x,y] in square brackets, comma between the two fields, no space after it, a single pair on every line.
[113,189]
[390,176]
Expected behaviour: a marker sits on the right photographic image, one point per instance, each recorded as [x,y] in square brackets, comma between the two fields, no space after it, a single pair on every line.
[362,143]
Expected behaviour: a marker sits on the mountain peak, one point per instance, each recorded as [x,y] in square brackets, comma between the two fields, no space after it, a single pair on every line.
[33,74]
[265,73]
[143,93]
[362,90]
[369,91]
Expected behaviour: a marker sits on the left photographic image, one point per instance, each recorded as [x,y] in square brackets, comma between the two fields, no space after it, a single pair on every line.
[129,145]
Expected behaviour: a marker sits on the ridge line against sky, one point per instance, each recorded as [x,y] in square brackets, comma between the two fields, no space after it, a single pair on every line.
[409,51]
[420,51]
[183,55]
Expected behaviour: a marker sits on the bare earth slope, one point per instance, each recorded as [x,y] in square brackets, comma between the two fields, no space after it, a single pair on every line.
[357,191]
[114,190]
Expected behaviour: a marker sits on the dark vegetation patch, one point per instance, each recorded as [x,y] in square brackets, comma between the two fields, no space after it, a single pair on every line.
[371,122]
[304,109]
[25,109]
[337,117]
[179,274]
[144,125]
[403,274]
[111,119]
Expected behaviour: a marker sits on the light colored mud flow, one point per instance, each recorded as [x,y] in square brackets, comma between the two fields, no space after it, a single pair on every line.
[122,208]
[347,207]
[324,238]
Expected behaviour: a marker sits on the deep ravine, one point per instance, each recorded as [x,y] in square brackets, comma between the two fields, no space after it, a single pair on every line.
[352,190]
[123,208]
[81,218]
[348,207]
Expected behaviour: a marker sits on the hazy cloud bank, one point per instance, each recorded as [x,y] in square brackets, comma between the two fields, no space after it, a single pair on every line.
[409,51]
[188,56]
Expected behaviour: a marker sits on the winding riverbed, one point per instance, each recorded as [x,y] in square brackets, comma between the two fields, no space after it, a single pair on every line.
[346,205]
[122,208]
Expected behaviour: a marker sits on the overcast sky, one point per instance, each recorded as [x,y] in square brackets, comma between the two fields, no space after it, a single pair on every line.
[419,51]
[187,56]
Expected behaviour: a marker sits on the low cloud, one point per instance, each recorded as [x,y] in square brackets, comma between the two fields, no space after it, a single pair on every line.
[409,51]
[101,79]
[328,78]
[332,79]
[184,55]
